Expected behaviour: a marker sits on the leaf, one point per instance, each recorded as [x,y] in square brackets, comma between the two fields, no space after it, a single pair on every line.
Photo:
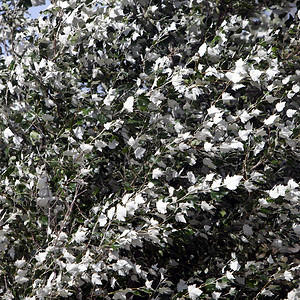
[255,74]
[111,212]
[79,131]
[207,207]
[43,220]
[245,117]
[128,105]
[35,136]
[191,177]
[139,152]
[156,173]
[7,133]
[280,106]
[290,112]
[179,217]
[232,182]
[181,286]
[110,97]
[194,292]
[278,190]
[86,148]
[20,277]
[143,103]
[223,213]
[161,206]
[234,76]
[102,220]
[247,230]
[288,276]
[121,212]
[202,49]
[96,279]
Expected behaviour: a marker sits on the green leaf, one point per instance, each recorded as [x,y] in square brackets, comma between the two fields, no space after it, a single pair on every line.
[223,213]
[35,136]
[43,220]
[143,103]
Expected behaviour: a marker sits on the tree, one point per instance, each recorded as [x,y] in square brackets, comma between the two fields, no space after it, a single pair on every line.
[150,150]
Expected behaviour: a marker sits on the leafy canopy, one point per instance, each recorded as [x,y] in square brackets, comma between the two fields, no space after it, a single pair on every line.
[150,149]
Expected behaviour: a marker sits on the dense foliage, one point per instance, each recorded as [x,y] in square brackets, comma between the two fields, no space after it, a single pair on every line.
[150,149]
